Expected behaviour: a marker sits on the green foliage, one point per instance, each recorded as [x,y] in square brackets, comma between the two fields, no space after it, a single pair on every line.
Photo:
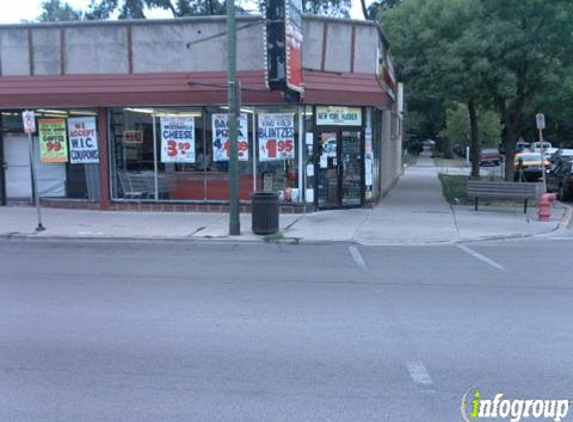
[135,9]
[57,11]
[457,128]
[337,8]
[512,55]
[455,188]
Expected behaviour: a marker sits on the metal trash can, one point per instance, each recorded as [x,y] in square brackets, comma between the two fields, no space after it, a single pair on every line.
[265,212]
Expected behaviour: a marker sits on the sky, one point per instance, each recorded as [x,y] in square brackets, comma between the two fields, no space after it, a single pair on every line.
[12,11]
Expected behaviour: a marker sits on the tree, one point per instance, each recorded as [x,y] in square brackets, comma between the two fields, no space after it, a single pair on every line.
[483,53]
[135,9]
[529,42]
[371,11]
[338,8]
[438,56]
[457,128]
[56,11]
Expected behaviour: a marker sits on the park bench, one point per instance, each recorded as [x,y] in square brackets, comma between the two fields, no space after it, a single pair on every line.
[503,190]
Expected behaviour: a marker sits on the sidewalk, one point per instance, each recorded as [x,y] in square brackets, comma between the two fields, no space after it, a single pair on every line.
[413,213]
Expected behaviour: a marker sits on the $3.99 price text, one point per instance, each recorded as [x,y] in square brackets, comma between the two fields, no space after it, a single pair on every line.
[175,148]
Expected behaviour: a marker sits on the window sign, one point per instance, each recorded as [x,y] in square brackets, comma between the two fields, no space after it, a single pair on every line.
[276,136]
[221,142]
[83,140]
[339,116]
[177,139]
[53,145]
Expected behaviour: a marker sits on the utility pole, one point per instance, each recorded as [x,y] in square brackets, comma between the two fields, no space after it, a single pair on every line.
[234,221]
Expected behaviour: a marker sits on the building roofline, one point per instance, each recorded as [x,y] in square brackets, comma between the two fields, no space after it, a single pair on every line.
[130,22]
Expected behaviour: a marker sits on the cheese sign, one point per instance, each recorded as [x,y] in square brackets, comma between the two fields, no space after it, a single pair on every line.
[83,140]
[177,139]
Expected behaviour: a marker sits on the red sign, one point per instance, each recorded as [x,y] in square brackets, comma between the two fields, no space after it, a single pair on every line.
[293,28]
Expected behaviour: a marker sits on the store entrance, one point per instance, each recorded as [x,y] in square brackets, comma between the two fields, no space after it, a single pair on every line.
[339,168]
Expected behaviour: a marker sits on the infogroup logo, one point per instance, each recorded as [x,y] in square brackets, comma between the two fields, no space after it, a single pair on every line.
[474,407]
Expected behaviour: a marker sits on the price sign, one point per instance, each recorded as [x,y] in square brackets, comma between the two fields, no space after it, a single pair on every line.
[177,139]
[29,122]
[221,144]
[53,140]
[276,136]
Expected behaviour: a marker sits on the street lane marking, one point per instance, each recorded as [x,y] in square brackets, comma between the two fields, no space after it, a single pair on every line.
[419,373]
[357,257]
[481,257]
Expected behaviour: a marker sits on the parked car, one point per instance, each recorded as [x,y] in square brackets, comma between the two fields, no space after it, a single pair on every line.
[560,179]
[561,154]
[489,156]
[521,146]
[530,165]
[536,146]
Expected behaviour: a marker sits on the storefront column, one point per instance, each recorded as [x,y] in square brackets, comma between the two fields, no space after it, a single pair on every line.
[103,159]
[2,167]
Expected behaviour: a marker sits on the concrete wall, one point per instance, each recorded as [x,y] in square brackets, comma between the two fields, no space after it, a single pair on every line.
[334,37]
[14,52]
[391,155]
[160,46]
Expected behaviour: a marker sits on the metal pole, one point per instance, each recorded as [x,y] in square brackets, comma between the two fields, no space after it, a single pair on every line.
[155,167]
[234,221]
[543,177]
[40,227]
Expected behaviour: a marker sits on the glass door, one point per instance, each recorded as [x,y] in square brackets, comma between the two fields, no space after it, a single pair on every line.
[339,169]
[328,170]
[351,171]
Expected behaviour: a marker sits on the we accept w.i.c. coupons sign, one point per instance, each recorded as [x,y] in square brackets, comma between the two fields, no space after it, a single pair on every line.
[83,140]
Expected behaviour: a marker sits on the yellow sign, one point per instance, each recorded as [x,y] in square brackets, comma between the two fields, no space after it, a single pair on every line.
[53,143]
[338,116]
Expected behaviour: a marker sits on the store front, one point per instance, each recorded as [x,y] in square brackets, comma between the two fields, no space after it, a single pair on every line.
[62,173]
[144,127]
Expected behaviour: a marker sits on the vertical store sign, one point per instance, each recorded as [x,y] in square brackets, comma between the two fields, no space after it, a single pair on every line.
[177,139]
[276,136]
[284,44]
[293,29]
[53,145]
[221,137]
[83,140]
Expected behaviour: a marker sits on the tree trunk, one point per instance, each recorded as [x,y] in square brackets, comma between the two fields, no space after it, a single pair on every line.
[365,10]
[509,141]
[475,150]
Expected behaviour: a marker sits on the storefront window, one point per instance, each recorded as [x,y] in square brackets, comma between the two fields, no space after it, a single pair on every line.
[217,154]
[278,152]
[181,154]
[66,154]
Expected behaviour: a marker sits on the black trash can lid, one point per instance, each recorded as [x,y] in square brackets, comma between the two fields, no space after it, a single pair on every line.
[263,194]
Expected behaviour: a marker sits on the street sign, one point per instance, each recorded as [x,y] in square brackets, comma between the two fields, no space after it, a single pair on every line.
[29,122]
[540,119]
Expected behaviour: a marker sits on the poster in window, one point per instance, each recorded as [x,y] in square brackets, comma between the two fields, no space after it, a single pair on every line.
[221,142]
[83,140]
[276,136]
[177,139]
[53,145]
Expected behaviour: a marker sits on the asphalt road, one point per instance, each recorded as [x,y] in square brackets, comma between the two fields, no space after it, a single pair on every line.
[250,332]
